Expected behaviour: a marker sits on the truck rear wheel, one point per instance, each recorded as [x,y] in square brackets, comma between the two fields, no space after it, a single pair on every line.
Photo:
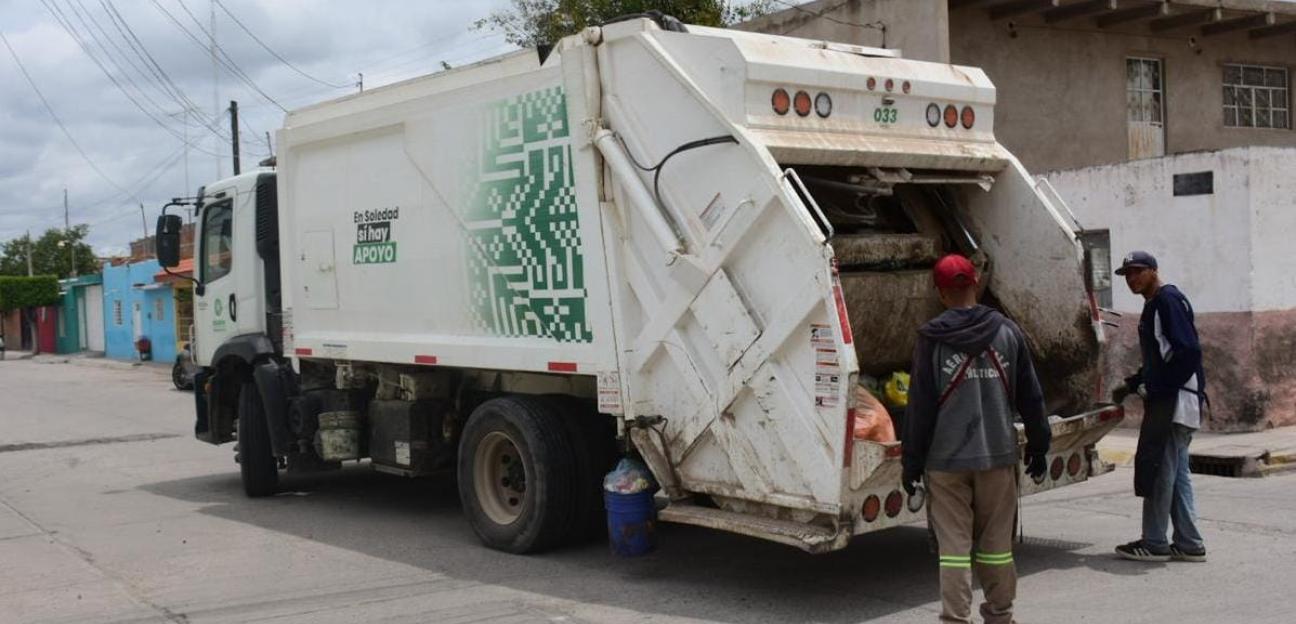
[257,464]
[517,475]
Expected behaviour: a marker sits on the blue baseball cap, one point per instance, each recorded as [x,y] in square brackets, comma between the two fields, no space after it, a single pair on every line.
[1137,260]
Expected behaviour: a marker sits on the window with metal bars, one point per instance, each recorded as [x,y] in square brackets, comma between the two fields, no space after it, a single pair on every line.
[1256,96]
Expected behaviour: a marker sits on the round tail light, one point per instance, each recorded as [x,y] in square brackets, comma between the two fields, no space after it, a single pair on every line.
[801,103]
[951,116]
[1055,470]
[823,105]
[894,502]
[780,101]
[1073,464]
[872,507]
[933,115]
[969,117]
[890,85]
[906,87]
[872,83]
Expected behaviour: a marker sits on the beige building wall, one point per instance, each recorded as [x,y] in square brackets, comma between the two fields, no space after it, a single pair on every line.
[918,28]
[1061,90]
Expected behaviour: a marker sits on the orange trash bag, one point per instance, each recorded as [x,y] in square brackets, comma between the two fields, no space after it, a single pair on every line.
[872,422]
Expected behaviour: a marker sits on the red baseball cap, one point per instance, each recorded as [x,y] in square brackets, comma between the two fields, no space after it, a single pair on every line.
[954,271]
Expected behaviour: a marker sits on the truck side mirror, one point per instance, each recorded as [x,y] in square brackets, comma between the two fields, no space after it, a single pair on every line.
[168,240]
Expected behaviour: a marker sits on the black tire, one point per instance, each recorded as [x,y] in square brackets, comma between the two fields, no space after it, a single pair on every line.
[257,464]
[538,517]
[593,443]
[178,377]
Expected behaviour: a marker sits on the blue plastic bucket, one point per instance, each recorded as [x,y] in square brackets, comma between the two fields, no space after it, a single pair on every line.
[632,520]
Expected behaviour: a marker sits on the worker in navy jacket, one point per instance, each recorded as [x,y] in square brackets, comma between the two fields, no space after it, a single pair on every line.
[1172,384]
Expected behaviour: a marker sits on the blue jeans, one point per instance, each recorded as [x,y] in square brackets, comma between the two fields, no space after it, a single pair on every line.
[1172,499]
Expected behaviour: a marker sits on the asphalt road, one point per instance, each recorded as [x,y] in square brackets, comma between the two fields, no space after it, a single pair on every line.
[111,512]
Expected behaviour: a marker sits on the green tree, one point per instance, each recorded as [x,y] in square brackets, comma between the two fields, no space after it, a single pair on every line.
[27,294]
[51,254]
[533,23]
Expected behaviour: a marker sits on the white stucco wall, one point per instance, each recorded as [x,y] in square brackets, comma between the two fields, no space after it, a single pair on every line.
[1228,251]
[1273,227]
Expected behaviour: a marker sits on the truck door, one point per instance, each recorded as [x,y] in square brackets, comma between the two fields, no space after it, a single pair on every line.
[217,308]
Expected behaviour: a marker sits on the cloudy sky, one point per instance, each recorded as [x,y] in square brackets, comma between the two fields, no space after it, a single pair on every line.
[132,128]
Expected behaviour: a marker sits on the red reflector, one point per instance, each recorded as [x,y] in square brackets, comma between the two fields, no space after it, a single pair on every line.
[951,116]
[848,450]
[1055,470]
[302,351]
[780,101]
[872,506]
[969,117]
[1111,413]
[872,83]
[802,103]
[425,359]
[840,300]
[894,451]
[1073,464]
[562,367]
[894,502]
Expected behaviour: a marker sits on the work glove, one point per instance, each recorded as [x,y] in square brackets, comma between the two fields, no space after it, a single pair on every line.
[911,480]
[1036,465]
[1120,393]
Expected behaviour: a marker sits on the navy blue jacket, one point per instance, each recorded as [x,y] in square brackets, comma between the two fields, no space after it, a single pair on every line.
[1164,377]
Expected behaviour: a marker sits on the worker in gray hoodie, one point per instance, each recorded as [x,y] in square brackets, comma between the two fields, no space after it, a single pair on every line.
[972,376]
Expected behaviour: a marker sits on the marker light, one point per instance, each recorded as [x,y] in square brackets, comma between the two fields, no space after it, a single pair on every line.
[801,103]
[780,101]
[951,116]
[969,117]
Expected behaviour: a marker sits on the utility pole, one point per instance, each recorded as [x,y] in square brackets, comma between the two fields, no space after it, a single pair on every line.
[361,82]
[30,272]
[144,222]
[67,233]
[234,134]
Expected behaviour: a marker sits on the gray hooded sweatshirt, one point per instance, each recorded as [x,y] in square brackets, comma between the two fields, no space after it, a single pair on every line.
[968,424]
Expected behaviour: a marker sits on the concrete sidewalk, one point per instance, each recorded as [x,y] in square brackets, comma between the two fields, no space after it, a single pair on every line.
[97,360]
[1253,454]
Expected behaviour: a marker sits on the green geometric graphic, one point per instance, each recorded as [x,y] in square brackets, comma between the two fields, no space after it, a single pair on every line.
[525,260]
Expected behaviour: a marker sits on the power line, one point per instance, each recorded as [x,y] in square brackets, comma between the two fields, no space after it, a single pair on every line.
[223,58]
[58,121]
[283,60]
[134,41]
[71,30]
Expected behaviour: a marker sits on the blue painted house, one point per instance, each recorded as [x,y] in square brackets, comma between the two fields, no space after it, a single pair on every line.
[135,305]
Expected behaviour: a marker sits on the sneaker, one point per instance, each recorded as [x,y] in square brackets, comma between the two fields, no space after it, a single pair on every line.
[1138,551]
[1180,554]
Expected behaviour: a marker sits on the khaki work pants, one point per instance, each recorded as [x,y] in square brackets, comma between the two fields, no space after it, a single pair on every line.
[972,514]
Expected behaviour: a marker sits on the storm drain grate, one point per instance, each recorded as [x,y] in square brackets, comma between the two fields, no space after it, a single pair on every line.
[1221,466]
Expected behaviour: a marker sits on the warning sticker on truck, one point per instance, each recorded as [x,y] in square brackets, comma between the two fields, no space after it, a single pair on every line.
[374,243]
[827,370]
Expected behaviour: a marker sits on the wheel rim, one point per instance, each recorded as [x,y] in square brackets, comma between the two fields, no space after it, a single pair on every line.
[177,376]
[500,477]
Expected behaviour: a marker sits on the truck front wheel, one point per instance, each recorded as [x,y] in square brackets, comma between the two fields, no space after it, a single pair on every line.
[257,464]
[516,475]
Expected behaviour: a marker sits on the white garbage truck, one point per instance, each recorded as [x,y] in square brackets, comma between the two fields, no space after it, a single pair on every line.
[680,243]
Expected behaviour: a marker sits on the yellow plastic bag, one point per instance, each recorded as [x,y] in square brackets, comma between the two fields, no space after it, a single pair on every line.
[896,389]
